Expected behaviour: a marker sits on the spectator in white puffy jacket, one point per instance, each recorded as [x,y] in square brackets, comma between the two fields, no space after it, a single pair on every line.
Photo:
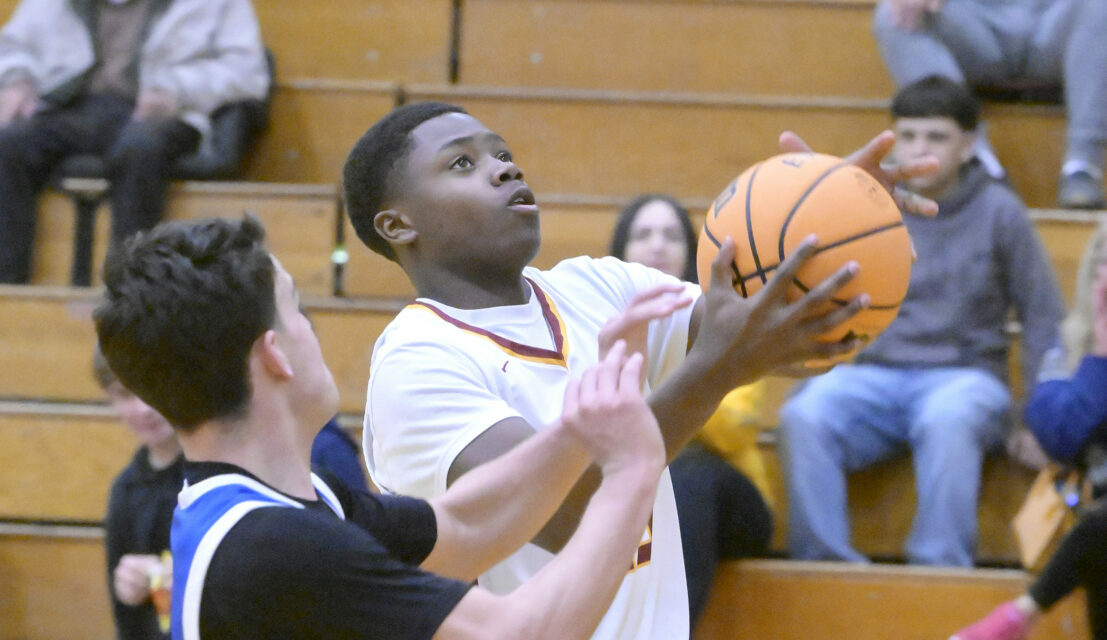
[133,80]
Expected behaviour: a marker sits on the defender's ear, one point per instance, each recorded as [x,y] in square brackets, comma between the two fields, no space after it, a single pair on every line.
[271,357]
[395,227]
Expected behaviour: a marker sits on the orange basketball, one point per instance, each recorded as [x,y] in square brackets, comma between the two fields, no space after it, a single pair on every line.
[775,204]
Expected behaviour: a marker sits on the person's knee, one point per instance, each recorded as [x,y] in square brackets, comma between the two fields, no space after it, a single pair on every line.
[804,417]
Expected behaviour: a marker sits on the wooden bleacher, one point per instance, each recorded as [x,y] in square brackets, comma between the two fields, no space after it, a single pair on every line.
[787,600]
[47,338]
[681,96]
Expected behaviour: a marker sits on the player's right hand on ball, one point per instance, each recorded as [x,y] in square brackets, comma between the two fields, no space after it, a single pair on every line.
[605,408]
[742,339]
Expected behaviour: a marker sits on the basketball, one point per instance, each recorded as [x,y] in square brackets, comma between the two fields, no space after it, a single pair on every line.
[775,204]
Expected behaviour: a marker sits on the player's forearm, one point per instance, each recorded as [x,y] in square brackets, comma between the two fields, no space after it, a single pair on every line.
[569,596]
[497,507]
[685,400]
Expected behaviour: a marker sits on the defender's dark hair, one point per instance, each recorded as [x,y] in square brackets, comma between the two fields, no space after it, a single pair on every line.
[938,96]
[621,235]
[370,169]
[182,307]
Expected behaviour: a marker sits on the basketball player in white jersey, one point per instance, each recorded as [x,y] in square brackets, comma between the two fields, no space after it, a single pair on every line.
[479,362]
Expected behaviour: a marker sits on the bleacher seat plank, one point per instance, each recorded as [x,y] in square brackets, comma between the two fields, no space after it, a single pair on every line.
[57,461]
[620,143]
[1065,234]
[47,336]
[833,601]
[403,40]
[299,220]
[53,584]
[313,124]
[772,48]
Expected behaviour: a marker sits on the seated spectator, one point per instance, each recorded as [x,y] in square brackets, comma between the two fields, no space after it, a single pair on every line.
[999,42]
[219,344]
[133,80]
[140,510]
[1067,411]
[934,382]
[721,507]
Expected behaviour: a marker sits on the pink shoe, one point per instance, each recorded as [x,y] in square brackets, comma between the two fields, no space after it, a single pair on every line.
[1005,622]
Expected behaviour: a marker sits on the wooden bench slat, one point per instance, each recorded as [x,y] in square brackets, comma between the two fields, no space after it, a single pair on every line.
[786,600]
[53,587]
[405,40]
[758,47]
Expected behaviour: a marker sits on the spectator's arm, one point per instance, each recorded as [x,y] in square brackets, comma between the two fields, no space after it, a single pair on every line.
[234,68]
[1063,414]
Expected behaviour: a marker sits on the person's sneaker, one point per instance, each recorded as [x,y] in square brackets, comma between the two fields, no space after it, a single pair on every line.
[1080,190]
[1005,622]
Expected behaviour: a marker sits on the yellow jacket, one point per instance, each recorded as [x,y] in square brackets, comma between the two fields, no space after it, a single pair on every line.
[732,433]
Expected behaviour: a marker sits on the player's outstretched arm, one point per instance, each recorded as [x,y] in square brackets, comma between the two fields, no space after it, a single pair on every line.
[497,507]
[569,596]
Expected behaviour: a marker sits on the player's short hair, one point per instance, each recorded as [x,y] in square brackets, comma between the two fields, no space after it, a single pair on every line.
[621,235]
[371,168]
[182,307]
[938,96]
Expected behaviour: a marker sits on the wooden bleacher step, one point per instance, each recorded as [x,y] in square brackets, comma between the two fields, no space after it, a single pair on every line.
[300,222]
[53,583]
[785,600]
[617,144]
[47,337]
[754,46]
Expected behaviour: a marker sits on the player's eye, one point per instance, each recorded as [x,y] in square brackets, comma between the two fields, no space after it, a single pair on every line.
[461,162]
[505,156]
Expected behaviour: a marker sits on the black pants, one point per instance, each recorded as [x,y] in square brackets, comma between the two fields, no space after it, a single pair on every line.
[1080,560]
[139,155]
[722,517]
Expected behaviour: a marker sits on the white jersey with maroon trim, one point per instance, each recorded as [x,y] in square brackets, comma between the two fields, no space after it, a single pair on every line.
[441,376]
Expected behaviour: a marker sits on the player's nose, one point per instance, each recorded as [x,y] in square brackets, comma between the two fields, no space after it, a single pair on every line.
[506,172]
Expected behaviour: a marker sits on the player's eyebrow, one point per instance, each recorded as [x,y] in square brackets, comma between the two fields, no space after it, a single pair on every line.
[466,140]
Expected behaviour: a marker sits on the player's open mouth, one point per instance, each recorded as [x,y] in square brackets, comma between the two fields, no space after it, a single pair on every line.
[522,200]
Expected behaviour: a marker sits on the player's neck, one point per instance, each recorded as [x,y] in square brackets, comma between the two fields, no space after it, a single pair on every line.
[473,290]
[271,449]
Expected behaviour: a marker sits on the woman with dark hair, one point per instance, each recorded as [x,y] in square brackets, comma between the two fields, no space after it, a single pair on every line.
[655,230]
[719,480]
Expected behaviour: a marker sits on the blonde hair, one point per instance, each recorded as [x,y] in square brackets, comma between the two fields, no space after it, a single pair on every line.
[1076,330]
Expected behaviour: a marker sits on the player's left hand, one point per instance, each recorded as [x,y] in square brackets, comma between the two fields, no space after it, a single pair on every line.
[632,325]
[870,158]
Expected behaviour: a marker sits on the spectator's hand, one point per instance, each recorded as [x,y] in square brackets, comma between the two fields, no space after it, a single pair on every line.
[1023,447]
[632,325]
[1099,302]
[17,100]
[869,158]
[741,339]
[155,104]
[131,577]
[605,408]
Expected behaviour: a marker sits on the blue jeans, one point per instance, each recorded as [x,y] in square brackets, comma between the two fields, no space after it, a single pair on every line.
[858,415]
